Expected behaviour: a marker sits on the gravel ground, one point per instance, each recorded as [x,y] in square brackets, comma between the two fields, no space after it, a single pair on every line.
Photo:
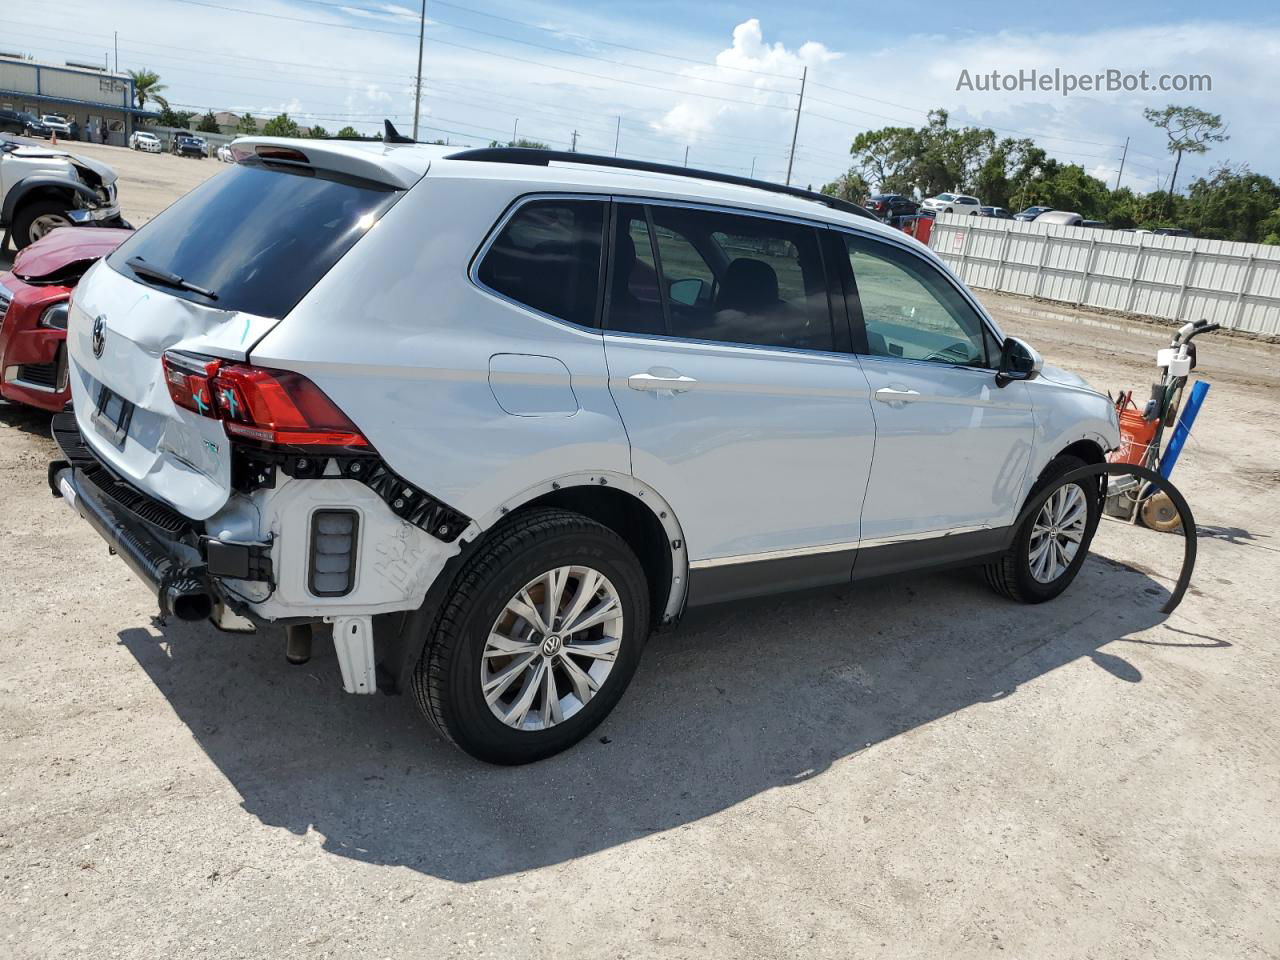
[908,768]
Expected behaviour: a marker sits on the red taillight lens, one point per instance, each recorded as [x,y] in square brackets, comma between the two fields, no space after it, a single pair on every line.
[189,380]
[270,406]
[281,407]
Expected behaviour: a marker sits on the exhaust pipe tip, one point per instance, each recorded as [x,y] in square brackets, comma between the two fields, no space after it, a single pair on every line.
[298,643]
[188,599]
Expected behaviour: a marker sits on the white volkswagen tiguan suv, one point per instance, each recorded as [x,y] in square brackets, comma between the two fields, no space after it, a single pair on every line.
[496,414]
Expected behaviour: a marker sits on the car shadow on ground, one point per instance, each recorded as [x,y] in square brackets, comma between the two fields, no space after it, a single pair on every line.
[27,419]
[738,700]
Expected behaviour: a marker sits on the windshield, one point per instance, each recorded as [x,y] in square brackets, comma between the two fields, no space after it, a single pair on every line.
[258,237]
[946,196]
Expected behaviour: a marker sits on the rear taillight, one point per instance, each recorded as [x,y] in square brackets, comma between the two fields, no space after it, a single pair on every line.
[276,407]
[189,378]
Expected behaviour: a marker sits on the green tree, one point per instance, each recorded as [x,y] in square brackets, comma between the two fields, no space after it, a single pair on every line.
[147,86]
[1232,203]
[1187,130]
[521,142]
[317,132]
[247,124]
[208,123]
[848,186]
[174,118]
[349,133]
[281,126]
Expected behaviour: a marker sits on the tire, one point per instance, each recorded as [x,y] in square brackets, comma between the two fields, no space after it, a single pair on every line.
[1014,574]
[25,220]
[459,655]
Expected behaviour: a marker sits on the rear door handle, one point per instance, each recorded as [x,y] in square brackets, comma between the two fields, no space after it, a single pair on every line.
[674,383]
[890,395]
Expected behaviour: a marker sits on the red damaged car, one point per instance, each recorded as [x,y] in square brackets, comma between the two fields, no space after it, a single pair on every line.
[33,312]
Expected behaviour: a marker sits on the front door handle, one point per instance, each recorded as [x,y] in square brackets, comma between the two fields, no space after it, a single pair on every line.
[890,395]
[672,383]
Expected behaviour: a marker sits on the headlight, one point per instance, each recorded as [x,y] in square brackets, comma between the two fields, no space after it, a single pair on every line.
[55,317]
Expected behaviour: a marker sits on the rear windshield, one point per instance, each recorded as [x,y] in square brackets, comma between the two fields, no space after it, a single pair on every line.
[258,237]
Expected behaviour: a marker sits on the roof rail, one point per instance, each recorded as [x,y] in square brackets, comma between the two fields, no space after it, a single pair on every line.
[532,156]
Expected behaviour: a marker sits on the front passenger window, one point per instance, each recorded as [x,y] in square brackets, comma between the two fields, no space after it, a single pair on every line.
[910,311]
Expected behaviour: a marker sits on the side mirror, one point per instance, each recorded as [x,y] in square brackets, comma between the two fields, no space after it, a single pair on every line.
[687,292]
[1018,361]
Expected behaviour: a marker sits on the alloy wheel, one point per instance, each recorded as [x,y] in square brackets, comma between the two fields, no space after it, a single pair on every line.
[551,648]
[1058,532]
[46,223]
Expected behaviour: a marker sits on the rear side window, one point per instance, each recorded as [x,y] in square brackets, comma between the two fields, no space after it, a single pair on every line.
[547,257]
[259,238]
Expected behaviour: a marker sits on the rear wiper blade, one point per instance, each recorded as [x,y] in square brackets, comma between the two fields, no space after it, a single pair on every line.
[169,279]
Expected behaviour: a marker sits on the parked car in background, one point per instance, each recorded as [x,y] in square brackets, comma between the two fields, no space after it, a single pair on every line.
[1066,218]
[1171,232]
[21,122]
[34,299]
[637,405]
[42,188]
[225,154]
[953,203]
[145,140]
[996,213]
[57,123]
[1031,213]
[189,145]
[887,205]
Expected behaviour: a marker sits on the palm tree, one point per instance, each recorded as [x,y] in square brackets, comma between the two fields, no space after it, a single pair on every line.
[147,86]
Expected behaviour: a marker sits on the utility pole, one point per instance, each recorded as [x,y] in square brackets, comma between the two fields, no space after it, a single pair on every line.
[796,132]
[617,135]
[753,168]
[686,156]
[116,35]
[514,127]
[1122,158]
[573,147]
[417,90]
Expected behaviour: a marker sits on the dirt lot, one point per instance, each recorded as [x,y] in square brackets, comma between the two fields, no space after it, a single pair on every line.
[910,768]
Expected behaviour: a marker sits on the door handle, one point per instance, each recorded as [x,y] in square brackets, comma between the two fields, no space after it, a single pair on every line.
[674,383]
[890,395]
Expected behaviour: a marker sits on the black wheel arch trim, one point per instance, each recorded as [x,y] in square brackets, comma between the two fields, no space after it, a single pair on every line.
[22,188]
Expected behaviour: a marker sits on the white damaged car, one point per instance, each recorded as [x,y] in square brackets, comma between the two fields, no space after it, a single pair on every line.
[494,415]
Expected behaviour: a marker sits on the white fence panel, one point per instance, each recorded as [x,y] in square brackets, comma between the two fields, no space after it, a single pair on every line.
[1172,278]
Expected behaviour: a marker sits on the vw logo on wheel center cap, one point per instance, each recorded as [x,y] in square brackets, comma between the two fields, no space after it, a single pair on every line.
[551,646]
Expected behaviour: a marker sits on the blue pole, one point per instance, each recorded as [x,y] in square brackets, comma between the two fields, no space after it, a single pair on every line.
[1180,432]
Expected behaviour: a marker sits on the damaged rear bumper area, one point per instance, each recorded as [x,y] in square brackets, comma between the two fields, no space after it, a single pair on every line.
[166,550]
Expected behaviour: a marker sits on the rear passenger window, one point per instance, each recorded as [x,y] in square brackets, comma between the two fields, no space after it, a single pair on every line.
[547,258]
[722,277]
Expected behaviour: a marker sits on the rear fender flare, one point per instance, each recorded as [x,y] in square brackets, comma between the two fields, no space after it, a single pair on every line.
[643,494]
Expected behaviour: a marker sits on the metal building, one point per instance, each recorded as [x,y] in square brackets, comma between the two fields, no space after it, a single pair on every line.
[93,97]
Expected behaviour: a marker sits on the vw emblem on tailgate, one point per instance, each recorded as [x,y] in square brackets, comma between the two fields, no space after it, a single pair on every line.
[99,335]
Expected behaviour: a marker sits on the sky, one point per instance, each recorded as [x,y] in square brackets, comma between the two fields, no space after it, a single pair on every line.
[720,80]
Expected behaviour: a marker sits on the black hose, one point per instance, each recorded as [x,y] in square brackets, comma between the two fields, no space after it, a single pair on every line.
[1153,479]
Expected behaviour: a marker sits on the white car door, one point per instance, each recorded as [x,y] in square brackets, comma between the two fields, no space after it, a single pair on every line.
[743,405]
[952,446]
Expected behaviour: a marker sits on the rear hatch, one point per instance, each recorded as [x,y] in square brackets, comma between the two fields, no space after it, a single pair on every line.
[208,278]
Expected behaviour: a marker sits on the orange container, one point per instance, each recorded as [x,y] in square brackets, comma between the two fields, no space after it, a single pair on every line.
[1136,435]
